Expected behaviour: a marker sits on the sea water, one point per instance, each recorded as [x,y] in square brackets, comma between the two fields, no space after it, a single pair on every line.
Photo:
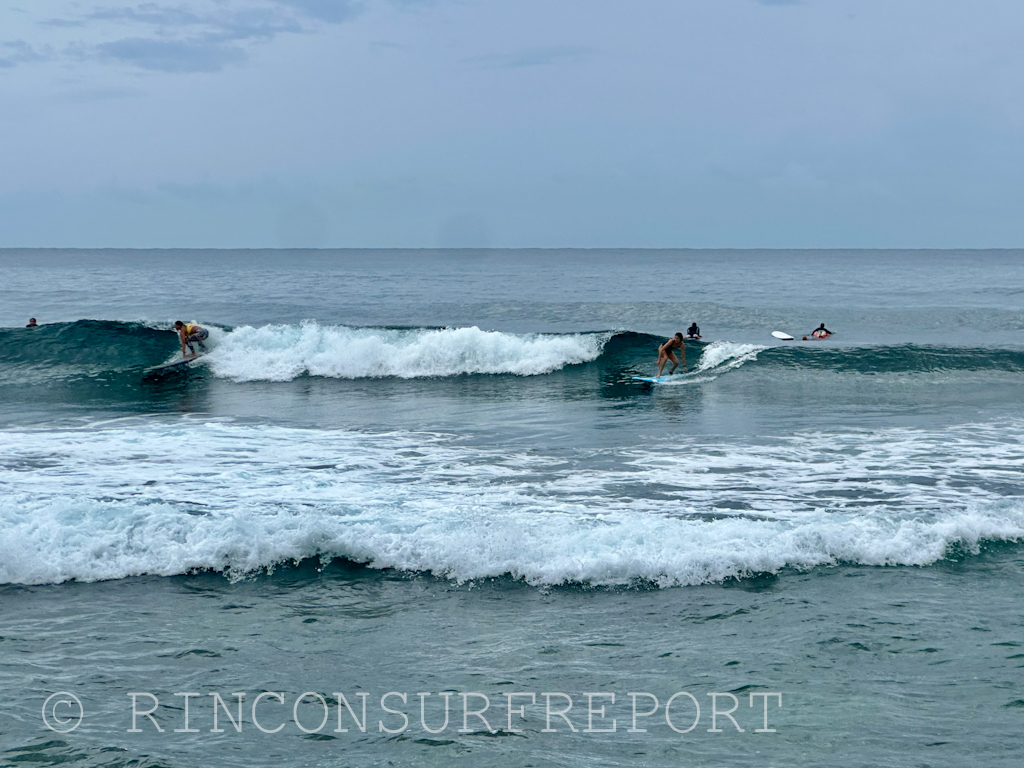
[411,482]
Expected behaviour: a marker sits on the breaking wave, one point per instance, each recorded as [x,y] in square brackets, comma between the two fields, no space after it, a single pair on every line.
[283,352]
[113,502]
[94,353]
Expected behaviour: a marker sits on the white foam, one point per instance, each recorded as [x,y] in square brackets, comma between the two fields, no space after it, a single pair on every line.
[716,358]
[282,352]
[166,498]
[724,355]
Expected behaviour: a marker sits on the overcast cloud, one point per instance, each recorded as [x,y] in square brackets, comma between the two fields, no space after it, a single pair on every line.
[659,123]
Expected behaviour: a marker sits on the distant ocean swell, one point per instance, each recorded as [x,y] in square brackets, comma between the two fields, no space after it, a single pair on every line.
[117,501]
[118,352]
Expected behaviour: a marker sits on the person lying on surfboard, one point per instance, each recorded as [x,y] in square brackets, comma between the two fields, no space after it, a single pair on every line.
[189,332]
[693,332]
[821,332]
[666,352]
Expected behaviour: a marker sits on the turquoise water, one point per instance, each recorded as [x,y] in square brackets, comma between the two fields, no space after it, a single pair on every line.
[431,472]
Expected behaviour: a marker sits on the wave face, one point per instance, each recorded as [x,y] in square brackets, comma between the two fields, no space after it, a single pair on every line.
[85,348]
[897,358]
[132,498]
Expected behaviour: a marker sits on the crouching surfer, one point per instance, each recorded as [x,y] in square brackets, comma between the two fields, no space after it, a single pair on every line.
[666,352]
[188,333]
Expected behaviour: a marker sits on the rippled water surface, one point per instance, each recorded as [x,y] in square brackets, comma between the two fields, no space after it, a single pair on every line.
[433,472]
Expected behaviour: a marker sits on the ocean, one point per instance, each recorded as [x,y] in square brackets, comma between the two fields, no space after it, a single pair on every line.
[412,509]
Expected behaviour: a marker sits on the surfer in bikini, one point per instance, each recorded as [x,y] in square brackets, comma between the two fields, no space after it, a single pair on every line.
[693,332]
[666,352]
[188,333]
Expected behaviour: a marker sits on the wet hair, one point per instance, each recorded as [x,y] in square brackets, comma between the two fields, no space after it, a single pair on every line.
[679,335]
[178,324]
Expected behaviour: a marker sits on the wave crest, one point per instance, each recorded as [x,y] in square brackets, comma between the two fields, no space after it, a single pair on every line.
[283,352]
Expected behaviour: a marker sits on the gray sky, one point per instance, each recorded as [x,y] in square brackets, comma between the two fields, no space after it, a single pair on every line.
[590,123]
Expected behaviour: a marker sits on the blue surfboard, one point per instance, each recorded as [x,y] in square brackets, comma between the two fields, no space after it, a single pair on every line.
[661,379]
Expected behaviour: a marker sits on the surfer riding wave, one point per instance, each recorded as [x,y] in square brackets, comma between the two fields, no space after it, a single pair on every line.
[666,352]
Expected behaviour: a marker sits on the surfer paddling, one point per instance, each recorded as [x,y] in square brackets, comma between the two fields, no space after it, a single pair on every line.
[188,333]
[693,332]
[821,332]
[666,352]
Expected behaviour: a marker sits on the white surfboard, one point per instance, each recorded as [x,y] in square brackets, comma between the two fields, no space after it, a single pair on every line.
[782,336]
[175,363]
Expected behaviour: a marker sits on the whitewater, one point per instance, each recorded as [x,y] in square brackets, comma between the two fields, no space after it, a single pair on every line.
[114,501]
[282,352]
